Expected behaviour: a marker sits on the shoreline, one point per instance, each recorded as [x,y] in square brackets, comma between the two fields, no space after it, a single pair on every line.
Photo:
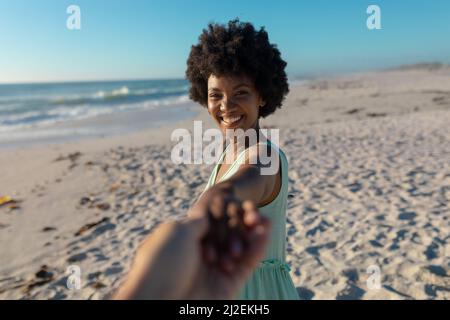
[98,127]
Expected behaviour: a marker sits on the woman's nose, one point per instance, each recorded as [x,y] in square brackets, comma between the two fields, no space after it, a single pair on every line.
[226,105]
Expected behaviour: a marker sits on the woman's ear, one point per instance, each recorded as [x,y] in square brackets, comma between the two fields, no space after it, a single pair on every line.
[262,103]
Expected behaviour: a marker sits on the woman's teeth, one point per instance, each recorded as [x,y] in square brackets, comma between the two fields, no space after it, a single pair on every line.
[231,120]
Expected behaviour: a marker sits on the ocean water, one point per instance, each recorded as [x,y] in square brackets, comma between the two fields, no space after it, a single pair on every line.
[50,109]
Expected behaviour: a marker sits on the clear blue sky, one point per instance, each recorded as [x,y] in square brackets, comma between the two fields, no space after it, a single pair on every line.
[151,39]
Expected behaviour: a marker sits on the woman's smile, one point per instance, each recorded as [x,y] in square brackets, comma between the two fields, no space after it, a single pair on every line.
[231,121]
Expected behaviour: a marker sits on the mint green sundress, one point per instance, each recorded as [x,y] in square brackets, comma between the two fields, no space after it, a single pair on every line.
[271,279]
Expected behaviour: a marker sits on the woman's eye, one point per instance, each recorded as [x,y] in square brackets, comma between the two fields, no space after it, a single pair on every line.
[214,96]
[241,93]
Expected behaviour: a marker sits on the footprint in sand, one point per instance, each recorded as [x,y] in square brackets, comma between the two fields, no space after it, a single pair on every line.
[77,257]
[113,270]
[410,215]
[432,251]
[305,293]
[433,290]
[399,237]
[291,229]
[351,274]
[350,292]
[314,250]
[322,226]
[355,187]
[437,281]
[438,270]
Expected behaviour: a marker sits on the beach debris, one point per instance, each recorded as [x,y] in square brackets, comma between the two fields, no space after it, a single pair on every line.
[114,187]
[89,226]
[439,99]
[4,200]
[10,203]
[71,156]
[12,207]
[43,276]
[47,229]
[85,200]
[375,114]
[44,273]
[103,206]
[98,285]
[94,202]
[352,111]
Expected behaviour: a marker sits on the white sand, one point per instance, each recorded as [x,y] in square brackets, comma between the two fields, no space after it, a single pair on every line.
[369,185]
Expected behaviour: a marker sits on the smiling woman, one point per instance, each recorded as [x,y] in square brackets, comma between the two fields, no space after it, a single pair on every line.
[239,76]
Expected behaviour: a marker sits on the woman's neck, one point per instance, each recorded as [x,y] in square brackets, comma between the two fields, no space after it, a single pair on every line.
[236,140]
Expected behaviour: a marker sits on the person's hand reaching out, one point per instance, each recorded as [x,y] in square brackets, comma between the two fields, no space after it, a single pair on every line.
[208,256]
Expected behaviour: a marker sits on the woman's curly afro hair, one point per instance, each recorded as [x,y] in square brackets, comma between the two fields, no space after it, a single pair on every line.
[238,49]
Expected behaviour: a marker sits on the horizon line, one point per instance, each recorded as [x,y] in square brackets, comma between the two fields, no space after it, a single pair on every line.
[293,77]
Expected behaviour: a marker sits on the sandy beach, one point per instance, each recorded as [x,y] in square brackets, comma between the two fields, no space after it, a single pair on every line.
[369,157]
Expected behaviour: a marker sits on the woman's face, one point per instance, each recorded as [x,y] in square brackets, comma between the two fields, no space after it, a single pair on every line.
[233,102]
